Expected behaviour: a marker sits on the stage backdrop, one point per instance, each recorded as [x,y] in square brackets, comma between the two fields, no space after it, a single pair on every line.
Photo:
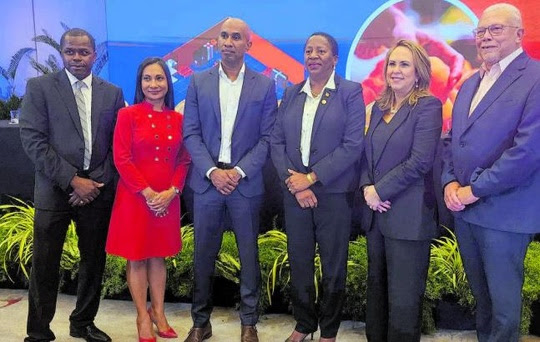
[184,33]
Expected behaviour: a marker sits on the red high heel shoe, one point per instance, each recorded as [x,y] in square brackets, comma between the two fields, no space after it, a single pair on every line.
[144,339]
[169,333]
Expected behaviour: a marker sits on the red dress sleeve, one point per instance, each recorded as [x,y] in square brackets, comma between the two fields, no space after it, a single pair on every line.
[183,160]
[122,151]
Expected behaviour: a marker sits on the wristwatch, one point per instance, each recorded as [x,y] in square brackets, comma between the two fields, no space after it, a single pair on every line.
[176,190]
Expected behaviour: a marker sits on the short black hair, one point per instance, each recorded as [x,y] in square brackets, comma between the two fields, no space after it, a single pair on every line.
[77,32]
[139,95]
[331,40]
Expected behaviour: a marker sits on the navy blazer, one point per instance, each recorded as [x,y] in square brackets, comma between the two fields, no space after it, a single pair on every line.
[251,131]
[51,135]
[402,172]
[497,149]
[336,138]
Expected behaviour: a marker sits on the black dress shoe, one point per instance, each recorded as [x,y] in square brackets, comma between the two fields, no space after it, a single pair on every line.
[90,333]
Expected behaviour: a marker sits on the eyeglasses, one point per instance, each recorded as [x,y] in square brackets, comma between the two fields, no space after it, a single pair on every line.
[494,30]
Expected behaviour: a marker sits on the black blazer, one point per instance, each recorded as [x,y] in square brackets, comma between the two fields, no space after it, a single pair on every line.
[51,135]
[401,173]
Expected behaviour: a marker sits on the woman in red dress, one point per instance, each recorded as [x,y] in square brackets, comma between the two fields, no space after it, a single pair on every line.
[152,162]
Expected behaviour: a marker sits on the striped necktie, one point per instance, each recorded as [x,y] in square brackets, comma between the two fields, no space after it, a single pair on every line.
[83,116]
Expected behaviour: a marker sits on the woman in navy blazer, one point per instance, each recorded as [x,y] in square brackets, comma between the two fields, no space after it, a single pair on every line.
[399,215]
[317,142]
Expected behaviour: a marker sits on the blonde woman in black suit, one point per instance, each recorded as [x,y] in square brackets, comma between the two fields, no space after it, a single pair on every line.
[400,145]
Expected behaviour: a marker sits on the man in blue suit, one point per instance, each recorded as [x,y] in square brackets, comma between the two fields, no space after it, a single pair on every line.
[229,114]
[492,171]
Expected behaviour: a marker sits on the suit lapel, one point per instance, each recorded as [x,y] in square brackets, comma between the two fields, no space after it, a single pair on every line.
[245,95]
[97,101]
[376,116]
[327,97]
[394,124]
[66,94]
[297,109]
[214,83]
[509,75]
[462,106]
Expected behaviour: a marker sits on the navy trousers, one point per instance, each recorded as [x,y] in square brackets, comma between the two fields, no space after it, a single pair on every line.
[209,215]
[327,225]
[493,262]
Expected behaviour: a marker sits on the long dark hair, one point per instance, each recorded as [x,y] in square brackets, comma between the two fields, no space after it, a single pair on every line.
[139,96]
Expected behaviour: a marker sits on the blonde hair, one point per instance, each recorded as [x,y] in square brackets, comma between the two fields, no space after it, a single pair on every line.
[422,67]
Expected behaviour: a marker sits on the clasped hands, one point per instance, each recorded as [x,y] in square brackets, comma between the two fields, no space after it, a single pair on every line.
[225,181]
[456,197]
[373,200]
[85,190]
[298,185]
[158,202]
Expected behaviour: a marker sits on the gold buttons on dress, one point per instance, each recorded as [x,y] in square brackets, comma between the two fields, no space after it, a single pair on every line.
[156,159]
[153,126]
[170,137]
[157,148]
[150,116]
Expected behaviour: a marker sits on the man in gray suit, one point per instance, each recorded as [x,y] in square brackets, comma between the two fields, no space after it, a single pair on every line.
[67,123]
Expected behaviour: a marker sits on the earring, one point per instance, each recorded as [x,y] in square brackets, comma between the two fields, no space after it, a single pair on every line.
[416,84]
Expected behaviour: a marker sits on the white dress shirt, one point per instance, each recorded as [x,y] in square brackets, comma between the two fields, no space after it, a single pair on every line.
[489,77]
[229,97]
[308,117]
[86,90]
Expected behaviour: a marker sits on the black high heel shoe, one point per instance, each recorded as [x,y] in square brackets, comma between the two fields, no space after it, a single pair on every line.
[290,339]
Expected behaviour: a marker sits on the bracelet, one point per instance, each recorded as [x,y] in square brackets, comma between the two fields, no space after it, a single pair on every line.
[310,179]
[176,190]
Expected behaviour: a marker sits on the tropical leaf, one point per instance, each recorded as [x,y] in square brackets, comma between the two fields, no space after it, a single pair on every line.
[42,68]
[46,38]
[15,60]
[53,64]
[102,57]
[64,26]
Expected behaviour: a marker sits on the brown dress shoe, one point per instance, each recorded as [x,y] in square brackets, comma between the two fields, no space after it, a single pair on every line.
[199,334]
[249,334]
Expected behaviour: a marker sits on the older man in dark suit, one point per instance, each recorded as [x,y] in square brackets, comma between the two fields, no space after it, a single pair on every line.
[67,123]
[492,171]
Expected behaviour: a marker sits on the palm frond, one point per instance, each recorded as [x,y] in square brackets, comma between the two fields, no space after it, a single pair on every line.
[47,39]
[64,26]
[40,67]
[16,59]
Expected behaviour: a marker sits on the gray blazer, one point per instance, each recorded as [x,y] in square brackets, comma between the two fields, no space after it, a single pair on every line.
[51,135]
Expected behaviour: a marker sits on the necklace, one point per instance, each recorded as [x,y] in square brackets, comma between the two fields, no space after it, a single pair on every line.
[393,111]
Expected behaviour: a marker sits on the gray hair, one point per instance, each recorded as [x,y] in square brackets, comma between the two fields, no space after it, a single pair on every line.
[514,14]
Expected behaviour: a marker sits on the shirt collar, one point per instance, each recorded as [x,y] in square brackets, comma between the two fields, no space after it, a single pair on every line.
[503,63]
[72,79]
[330,84]
[240,74]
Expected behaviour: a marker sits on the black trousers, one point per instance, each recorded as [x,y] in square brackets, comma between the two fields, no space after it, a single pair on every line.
[209,214]
[329,226]
[50,227]
[397,273]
